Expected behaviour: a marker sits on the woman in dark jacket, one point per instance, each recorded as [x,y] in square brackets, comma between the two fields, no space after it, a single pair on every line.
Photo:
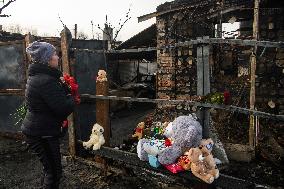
[49,103]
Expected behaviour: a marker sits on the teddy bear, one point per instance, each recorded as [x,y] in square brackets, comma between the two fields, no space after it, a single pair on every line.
[206,146]
[185,132]
[96,138]
[139,130]
[198,166]
[102,76]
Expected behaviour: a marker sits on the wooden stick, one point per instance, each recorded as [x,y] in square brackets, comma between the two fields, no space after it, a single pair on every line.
[252,74]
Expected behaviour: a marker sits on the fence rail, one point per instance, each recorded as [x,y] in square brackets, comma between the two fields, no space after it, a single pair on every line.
[92,98]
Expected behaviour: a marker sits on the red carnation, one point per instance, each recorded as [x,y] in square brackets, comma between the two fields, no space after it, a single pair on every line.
[70,81]
[226,97]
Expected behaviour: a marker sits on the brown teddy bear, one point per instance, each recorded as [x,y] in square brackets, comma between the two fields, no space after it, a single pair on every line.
[202,163]
[139,130]
[206,146]
[199,166]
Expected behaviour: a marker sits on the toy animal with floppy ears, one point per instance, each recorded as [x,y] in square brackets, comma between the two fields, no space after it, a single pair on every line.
[198,165]
[139,130]
[206,146]
[96,138]
[185,132]
[102,76]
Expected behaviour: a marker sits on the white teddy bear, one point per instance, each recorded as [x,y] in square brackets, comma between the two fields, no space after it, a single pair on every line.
[96,139]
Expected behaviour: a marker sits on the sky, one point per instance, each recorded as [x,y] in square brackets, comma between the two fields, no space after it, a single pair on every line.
[43,15]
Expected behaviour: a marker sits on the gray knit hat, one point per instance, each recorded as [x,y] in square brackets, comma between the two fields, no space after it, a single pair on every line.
[41,52]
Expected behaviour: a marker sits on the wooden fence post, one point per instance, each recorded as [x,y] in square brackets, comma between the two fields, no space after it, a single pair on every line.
[252,74]
[28,40]
[65,44]
[102,109]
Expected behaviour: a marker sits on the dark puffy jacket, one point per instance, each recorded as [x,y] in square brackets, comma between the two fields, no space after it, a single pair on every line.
[47,101]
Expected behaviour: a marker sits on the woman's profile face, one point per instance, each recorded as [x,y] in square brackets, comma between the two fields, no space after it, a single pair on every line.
[54,61]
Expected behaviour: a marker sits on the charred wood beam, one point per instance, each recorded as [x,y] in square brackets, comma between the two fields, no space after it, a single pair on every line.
[87,98]
[131,160]
[239,42]
[160,13]
[15,136]
[17,42]
[12,92]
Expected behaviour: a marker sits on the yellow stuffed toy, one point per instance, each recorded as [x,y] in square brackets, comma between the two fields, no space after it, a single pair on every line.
[139,130]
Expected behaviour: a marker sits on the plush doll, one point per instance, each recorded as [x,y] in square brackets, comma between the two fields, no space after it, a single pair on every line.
[198,165]
[139,130]
[206,146]
[142,154]
[186,132]
[102,76]
[96,138]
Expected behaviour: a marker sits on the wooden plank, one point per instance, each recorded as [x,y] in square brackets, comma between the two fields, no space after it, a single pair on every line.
[7,43]
[173,9]
[239,42]
[12,92]
[203,84]
[206,87]
[200,82]
[102,110]
[65,44]
[252,74]
[200,68]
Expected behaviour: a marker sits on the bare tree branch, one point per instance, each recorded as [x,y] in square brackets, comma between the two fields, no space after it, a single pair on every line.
[5,6]
[4,15]
[61,21]
[120,26]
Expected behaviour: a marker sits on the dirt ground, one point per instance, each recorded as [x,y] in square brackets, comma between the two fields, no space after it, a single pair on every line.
[20,169]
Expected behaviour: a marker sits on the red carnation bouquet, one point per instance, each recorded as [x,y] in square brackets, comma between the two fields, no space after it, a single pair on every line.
[70,81]
[73,86]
